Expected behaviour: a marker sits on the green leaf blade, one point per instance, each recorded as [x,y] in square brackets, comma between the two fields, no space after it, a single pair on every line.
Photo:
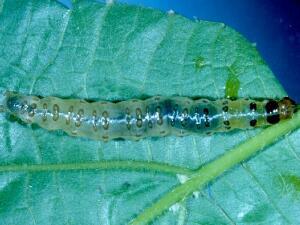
[117,52]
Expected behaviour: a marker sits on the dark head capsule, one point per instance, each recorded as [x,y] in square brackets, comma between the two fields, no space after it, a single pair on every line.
[279,110]
[287,108]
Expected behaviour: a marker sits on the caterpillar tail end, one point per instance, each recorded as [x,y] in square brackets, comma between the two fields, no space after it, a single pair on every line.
[6,98]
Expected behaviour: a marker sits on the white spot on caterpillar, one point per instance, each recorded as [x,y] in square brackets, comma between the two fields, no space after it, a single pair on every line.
[182,178]
[254,44]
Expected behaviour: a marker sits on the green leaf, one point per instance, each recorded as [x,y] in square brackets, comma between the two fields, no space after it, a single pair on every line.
[116,52]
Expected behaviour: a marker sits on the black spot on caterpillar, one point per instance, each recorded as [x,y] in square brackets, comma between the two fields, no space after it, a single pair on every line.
[153,117]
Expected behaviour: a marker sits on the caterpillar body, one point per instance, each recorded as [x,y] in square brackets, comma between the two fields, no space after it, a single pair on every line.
[154,117]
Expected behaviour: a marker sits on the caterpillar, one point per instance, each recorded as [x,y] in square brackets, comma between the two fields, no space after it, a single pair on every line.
[153,117]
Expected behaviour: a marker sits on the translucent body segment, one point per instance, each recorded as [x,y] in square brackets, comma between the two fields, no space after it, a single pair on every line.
[154,117]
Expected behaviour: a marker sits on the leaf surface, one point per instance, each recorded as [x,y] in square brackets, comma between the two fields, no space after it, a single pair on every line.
[116,52]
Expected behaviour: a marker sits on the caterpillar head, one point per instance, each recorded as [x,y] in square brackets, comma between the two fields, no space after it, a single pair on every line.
[287,108]
[280,110]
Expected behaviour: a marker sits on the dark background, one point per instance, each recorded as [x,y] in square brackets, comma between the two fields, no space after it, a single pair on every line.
[274,25]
